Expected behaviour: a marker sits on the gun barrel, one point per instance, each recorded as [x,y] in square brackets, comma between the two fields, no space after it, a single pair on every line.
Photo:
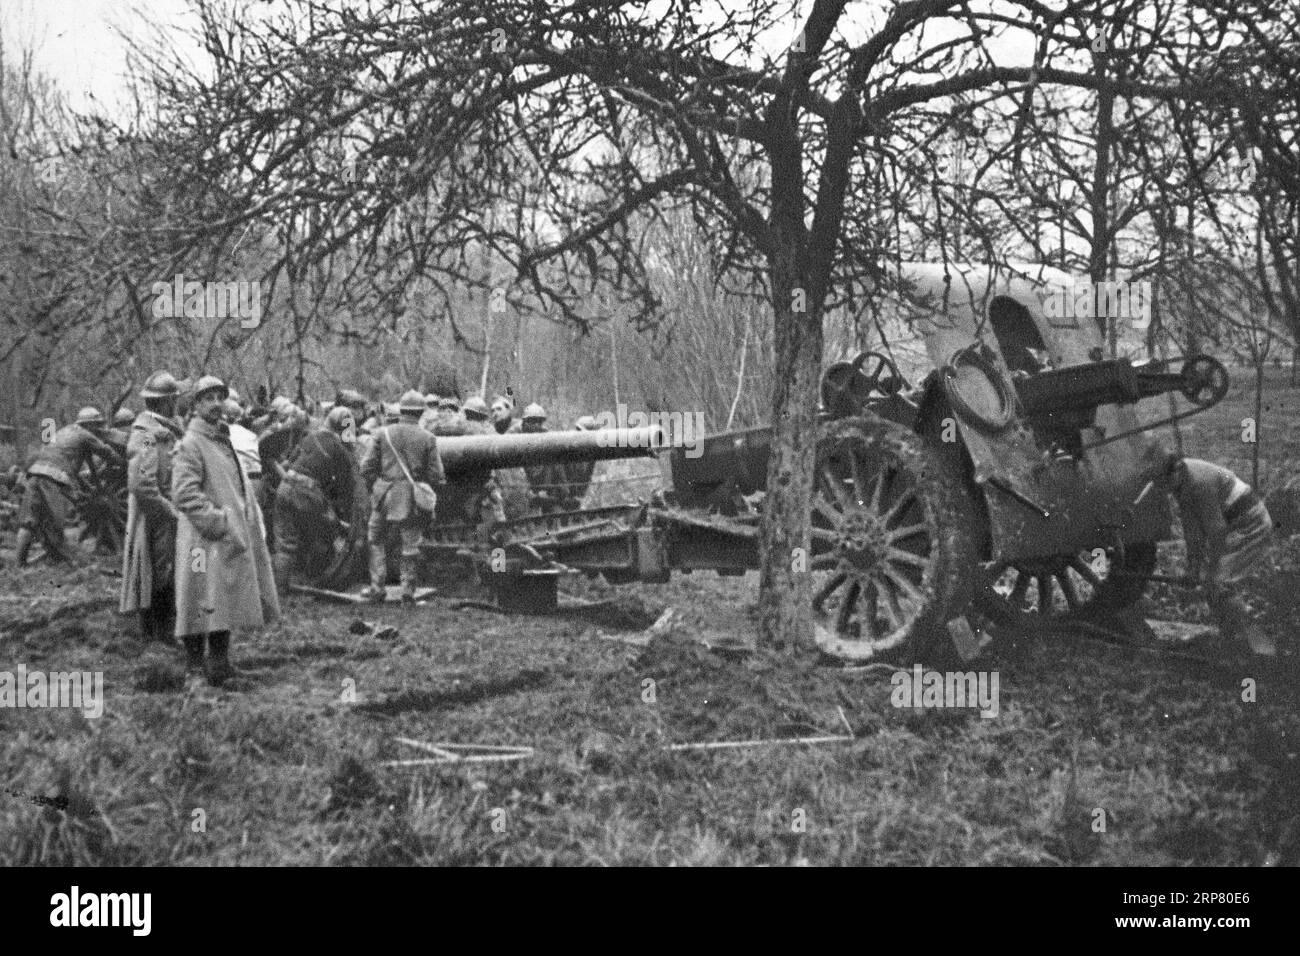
[518,449]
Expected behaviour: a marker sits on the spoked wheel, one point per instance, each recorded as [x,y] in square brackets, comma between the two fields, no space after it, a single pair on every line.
[101,508]
[1068,585]
[893,543]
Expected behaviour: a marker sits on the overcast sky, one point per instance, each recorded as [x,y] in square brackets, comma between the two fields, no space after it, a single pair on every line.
[82,43]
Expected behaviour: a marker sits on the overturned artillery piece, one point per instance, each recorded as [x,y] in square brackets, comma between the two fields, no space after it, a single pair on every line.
[1000,486]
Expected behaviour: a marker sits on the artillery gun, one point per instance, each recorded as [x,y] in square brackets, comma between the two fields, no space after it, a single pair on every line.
[1000,485]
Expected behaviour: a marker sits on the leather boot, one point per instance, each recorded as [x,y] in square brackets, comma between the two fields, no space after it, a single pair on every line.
[194,653]
[219,668]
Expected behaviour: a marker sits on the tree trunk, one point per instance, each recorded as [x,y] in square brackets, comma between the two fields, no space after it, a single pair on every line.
[784,591]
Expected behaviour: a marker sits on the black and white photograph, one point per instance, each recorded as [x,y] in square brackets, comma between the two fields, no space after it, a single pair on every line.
[671,433]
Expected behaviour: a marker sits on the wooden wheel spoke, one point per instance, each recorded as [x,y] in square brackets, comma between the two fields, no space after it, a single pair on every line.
[877,491]
[1086,572]
[893,609]
[897,534]
[872,591]
[825,590]
[824,534]
[1067,588]
[859,478]
[823,508]
[907,557]
[1021,588]
[906,586]
[846,607]
[828,560]
[836,487]
[898,507]
[1044,594]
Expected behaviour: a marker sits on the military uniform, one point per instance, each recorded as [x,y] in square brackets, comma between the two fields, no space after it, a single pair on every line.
[149,552]
[477,488]
[223,569]
[317,486]
[394,518]
[1229,535]
[53,478]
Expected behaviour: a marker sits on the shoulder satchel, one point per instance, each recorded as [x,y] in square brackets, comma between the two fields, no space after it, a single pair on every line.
[425,497]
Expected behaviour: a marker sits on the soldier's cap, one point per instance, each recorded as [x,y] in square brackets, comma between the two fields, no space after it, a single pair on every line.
[90,415]
[207,384]
[233,409]
[123,416]
[449,402]
[160,385]
[476,407]
[586,423]
[412,401]
[351,398]
[534,411]
[431,399]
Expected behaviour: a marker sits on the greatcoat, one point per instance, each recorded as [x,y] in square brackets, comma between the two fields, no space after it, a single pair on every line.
[149,552]
[223,568]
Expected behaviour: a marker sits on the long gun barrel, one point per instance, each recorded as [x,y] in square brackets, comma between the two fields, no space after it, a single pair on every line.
[1070,396]
[518,449]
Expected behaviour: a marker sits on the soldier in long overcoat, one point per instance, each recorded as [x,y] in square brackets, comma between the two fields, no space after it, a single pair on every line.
[223,569]
[149,552]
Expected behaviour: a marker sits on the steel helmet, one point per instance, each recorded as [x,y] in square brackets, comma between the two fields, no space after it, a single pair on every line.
[475,406]
[412,401]
[431,400]
[160,385]
[90,415]
[233,410]
[206,384]
[586,423]
[449,402]
[351,399]
[534,411]
[123,416]
[392,411]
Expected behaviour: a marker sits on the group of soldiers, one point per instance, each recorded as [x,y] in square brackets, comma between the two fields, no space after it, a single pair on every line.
[215,483]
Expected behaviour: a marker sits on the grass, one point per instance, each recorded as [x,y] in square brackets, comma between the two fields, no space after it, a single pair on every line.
[287,772]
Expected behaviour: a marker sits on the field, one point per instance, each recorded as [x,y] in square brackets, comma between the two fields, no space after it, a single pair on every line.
[284,771]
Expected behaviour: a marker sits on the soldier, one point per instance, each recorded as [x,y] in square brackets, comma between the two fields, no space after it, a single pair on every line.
[502,410]
[450,421]
[223,569]
[149,552]
[120,433]
[315,494]
[52,480]
[401,455]
[1228,533]
[478,487]
[545,482]
[431,414]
